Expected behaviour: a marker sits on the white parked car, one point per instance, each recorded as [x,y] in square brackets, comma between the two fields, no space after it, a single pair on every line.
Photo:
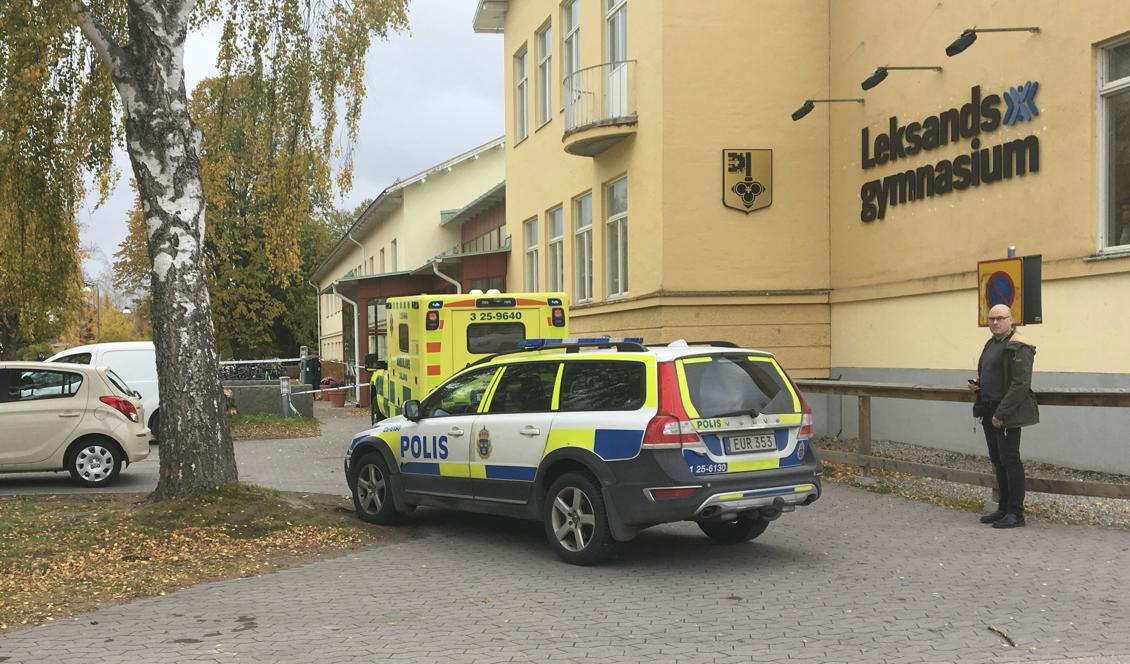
[81,419]
[134,361]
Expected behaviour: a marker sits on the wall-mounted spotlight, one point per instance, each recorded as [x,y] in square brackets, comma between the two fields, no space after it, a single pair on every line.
[880,75]
[810,104]
[967,37]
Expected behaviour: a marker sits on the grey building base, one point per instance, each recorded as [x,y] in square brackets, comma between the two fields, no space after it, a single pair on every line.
[262,396]
[1086,438]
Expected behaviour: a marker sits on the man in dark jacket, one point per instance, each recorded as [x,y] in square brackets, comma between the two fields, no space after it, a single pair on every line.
[1005,403]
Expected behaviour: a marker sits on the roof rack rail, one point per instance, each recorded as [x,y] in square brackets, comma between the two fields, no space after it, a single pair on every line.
[568,347]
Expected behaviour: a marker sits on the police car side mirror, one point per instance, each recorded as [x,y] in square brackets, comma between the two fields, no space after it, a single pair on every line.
[374,364]
[412,410]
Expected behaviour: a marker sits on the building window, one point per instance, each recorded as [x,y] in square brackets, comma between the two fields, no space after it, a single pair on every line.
[570,38]
[382,261]
[554,254]
[582,247]
[488,241]
[616,237]
[616,95]
[521,115]
[1114,98]
[545,75]
[392,251]
[531,230]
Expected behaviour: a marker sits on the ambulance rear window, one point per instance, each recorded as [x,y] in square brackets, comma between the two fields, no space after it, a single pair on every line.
[731,384]
[494,337]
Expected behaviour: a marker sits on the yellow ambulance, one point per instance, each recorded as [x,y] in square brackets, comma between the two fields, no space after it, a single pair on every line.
[430,337]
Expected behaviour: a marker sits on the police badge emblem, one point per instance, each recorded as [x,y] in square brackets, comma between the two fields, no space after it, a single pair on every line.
[747,179]
[484,443]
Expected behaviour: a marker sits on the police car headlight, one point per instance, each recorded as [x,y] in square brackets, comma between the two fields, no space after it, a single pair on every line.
[801,450]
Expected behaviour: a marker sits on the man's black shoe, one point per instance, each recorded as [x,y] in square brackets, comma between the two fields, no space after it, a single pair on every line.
[992,518]
[1009,521]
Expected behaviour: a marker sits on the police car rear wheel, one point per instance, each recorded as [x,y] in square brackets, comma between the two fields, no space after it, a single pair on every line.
[743,529]
[576,522]
[372,496]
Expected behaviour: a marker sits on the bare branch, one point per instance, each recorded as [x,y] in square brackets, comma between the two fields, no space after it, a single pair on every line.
[113,55]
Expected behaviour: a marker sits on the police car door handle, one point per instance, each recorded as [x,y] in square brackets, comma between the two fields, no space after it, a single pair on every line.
[455,432]
[530,431]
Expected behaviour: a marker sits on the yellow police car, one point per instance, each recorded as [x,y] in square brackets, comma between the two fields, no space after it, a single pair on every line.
[598,438]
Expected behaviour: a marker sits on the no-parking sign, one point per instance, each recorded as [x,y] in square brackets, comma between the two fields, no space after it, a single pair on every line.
[1014,282]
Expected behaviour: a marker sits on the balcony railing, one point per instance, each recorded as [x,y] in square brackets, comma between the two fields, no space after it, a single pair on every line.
[601,95]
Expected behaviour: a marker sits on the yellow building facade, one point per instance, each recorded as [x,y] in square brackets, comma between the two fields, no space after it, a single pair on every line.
[620,115]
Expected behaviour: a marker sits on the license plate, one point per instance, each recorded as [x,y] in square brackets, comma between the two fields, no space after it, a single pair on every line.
[761,442]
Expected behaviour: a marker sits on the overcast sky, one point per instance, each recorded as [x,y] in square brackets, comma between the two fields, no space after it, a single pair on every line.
[433,92]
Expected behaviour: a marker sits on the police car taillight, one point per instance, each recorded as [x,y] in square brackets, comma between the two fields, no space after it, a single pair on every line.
[671,427]
[806,414]
[558,317]
[431,322]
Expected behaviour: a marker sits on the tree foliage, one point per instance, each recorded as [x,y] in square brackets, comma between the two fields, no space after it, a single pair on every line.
[56,125]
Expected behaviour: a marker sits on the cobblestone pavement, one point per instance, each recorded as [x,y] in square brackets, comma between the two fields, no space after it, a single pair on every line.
[294,464]
[857,577]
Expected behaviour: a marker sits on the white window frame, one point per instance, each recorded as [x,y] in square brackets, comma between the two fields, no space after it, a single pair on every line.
[555,249]
[521,95]
[544,40]
[530,233]
[392,251]
[615,265]
[1106,90]
[382,260]
[582,252]
[570,43]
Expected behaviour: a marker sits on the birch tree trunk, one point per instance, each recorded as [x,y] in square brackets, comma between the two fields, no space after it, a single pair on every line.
[164,148]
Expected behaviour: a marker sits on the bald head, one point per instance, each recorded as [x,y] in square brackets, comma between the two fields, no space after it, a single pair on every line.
[1000,320]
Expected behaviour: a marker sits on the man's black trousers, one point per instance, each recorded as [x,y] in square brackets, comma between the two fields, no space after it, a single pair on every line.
[1004,452]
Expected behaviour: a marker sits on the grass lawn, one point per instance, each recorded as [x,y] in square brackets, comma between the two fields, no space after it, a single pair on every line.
[65,554]
[266,425]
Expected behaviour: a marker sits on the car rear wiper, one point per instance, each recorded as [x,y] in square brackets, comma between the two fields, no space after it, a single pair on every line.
[752,412]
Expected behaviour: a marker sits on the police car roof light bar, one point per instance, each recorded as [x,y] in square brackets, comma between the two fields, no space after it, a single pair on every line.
[634,344]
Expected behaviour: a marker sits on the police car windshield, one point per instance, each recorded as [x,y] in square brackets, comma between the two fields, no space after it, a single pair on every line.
[736,384]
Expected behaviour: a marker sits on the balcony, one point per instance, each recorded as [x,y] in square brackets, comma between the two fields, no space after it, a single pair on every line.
[600,107]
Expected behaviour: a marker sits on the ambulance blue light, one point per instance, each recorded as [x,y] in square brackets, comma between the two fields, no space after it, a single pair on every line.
[555,302]
[435,304]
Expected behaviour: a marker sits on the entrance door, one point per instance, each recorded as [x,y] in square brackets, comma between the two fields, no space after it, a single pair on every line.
[433,452]
[510,435]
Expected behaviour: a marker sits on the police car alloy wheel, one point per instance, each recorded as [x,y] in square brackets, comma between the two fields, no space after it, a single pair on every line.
[737,531]
[372,495]
[95,463]
[576,523]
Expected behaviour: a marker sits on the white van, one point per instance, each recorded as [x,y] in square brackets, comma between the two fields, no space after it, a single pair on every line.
[134,361]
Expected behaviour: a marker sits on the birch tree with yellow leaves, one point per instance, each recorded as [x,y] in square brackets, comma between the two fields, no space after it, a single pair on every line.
[140,47]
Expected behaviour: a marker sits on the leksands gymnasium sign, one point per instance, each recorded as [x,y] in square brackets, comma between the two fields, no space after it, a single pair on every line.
[981,165]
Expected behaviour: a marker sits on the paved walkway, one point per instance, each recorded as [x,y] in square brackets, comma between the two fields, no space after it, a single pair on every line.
[858,577]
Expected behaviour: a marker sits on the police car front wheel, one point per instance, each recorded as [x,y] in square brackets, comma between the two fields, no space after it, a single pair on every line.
[372,492]
[742,529]
[576,522]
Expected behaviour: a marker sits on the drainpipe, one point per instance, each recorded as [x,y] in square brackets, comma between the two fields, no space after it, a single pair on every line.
[435,268]
[318,310]
[356,344]
[349,234]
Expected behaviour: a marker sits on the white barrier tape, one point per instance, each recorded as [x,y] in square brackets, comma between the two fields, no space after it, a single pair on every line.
[326,389]
[271,361]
